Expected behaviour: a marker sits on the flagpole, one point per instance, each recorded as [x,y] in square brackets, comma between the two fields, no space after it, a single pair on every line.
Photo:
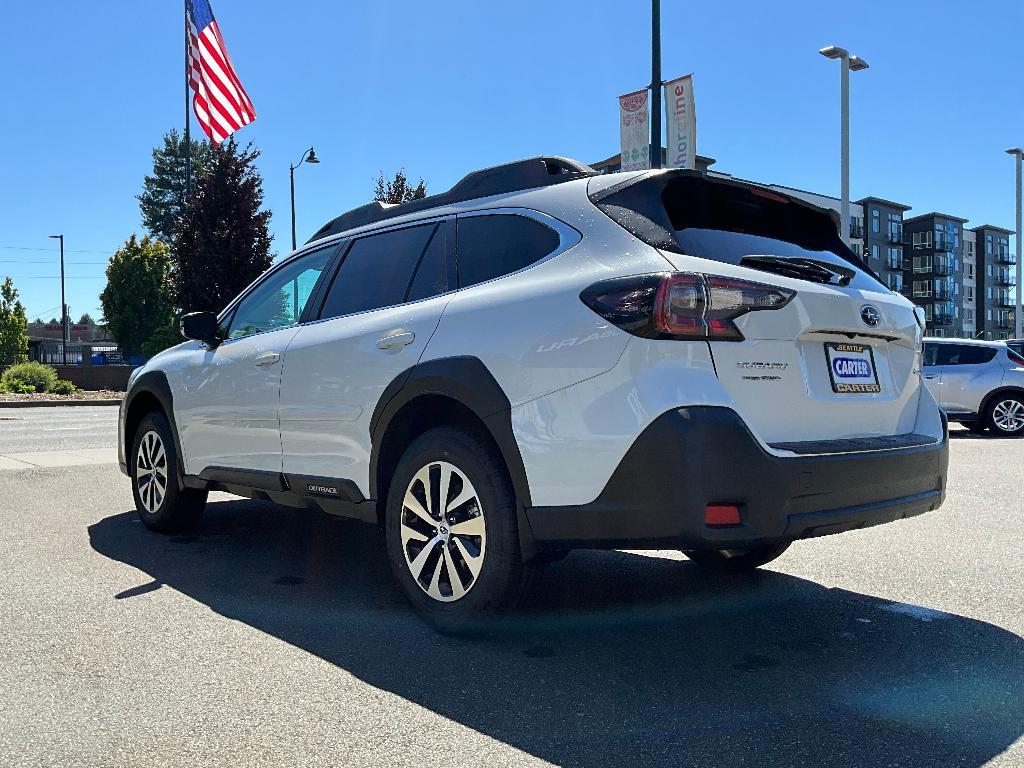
[188,120]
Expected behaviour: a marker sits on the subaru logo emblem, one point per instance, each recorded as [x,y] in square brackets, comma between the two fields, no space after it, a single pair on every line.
[871,316]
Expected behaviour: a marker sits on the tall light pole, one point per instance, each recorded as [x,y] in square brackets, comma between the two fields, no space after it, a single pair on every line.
[312,158]
[63,304]
[655,83]
[1018,333]
[847,63]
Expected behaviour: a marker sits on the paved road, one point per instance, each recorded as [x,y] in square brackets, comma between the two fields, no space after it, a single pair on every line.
[275,637]
[53,429]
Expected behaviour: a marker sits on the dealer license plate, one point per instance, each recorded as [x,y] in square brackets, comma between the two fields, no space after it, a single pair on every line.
[851,368]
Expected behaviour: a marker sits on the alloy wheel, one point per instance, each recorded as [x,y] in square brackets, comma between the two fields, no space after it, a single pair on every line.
[1008,415]
[443,532]
[151,471]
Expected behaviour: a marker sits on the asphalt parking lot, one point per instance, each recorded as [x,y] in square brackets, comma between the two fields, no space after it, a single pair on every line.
[275,637]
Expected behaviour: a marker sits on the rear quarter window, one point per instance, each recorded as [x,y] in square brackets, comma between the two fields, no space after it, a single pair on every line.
[490,246]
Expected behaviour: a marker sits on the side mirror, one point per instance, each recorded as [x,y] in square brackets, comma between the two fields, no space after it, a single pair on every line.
[200,326]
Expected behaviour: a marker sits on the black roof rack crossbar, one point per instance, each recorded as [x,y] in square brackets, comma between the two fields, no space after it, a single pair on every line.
[500,179]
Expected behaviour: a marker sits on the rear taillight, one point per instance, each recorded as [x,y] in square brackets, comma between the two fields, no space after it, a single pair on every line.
[682,305]
[1015,358]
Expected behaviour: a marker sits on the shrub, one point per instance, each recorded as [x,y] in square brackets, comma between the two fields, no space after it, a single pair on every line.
[29,377]
[62,387]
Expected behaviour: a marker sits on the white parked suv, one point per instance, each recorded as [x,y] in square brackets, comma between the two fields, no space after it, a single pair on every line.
[544,358]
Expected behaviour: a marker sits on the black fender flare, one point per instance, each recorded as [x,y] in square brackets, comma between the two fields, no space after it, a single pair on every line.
[466,380]
[152,383]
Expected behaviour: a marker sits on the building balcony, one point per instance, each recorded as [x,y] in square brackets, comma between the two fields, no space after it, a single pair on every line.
[1004,278]
[942,245]
[1005,301]
[1003,322]
[943,294]
[895,238]
[1005,257]
[941,268]
[942,318]
[856,230]
[892,263]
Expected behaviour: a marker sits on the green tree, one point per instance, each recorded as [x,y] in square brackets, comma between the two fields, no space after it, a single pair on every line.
[398,189]
[224,243]
[163,192]
[138,297]
[85,319]
[13,324]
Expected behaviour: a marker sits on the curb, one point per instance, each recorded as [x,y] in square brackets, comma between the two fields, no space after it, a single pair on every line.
[54,403]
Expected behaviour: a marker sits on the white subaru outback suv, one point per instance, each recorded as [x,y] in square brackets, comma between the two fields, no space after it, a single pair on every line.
[543,359]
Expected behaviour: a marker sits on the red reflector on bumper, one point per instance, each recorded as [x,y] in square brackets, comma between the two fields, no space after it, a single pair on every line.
[721,514]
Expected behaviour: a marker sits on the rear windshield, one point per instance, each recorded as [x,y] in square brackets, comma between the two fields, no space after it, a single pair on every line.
[691,214]
[733,247]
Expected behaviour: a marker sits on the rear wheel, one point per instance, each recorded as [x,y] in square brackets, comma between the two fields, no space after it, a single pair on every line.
[451,529]
[735,560]
[162,505]
[1005,415]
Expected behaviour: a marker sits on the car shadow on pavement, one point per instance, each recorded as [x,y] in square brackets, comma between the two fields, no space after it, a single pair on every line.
[619,659]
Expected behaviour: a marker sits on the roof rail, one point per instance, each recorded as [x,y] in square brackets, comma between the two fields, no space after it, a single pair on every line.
[500,179]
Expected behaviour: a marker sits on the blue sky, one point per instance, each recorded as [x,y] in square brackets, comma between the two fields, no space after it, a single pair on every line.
[443,88]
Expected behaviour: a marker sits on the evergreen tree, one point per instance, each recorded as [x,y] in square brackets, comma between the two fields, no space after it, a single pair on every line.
[13,324]
[138,297]
[398,189]
[224,242]
[163,192]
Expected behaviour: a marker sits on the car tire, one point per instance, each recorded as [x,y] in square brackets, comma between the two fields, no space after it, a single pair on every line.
[735,560]
[161,503]
[1005,415]
[454,576]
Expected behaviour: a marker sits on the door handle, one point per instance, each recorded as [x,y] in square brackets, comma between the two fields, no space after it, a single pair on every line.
[267,358]
[396,341]
[931,375]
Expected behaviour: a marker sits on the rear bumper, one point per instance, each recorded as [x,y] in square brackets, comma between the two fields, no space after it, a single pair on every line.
[691,457]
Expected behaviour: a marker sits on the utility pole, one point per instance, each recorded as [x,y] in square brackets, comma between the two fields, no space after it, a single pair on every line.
[63,304]
[655,83]
[1018,332]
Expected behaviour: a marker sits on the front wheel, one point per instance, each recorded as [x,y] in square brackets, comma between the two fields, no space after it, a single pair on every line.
[162,505]
[451,529]
[1006,416]
[735,560]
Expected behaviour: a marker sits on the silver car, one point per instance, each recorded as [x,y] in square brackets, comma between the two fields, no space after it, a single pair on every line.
[978,383]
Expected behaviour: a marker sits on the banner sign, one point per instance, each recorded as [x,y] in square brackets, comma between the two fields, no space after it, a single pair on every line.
[680,123]
[634,135]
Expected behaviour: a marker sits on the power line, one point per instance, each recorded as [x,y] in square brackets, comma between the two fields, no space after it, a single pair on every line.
[50,250]
[49,261]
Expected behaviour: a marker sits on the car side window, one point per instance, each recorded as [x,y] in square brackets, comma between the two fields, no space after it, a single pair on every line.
[948,354]
[976,355]
[931,352]
[490,246]
[432,276]
[278,301]
[377,271]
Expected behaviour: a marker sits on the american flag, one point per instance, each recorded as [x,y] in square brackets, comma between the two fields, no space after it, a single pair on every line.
[220,102]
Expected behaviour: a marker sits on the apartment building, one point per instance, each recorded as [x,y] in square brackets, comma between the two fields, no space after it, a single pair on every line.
[996,276]
[933,271]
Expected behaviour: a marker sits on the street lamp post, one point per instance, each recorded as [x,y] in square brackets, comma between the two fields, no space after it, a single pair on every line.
[847,63]
[312,158]
[1018,333]
[63,304]
[655,83]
